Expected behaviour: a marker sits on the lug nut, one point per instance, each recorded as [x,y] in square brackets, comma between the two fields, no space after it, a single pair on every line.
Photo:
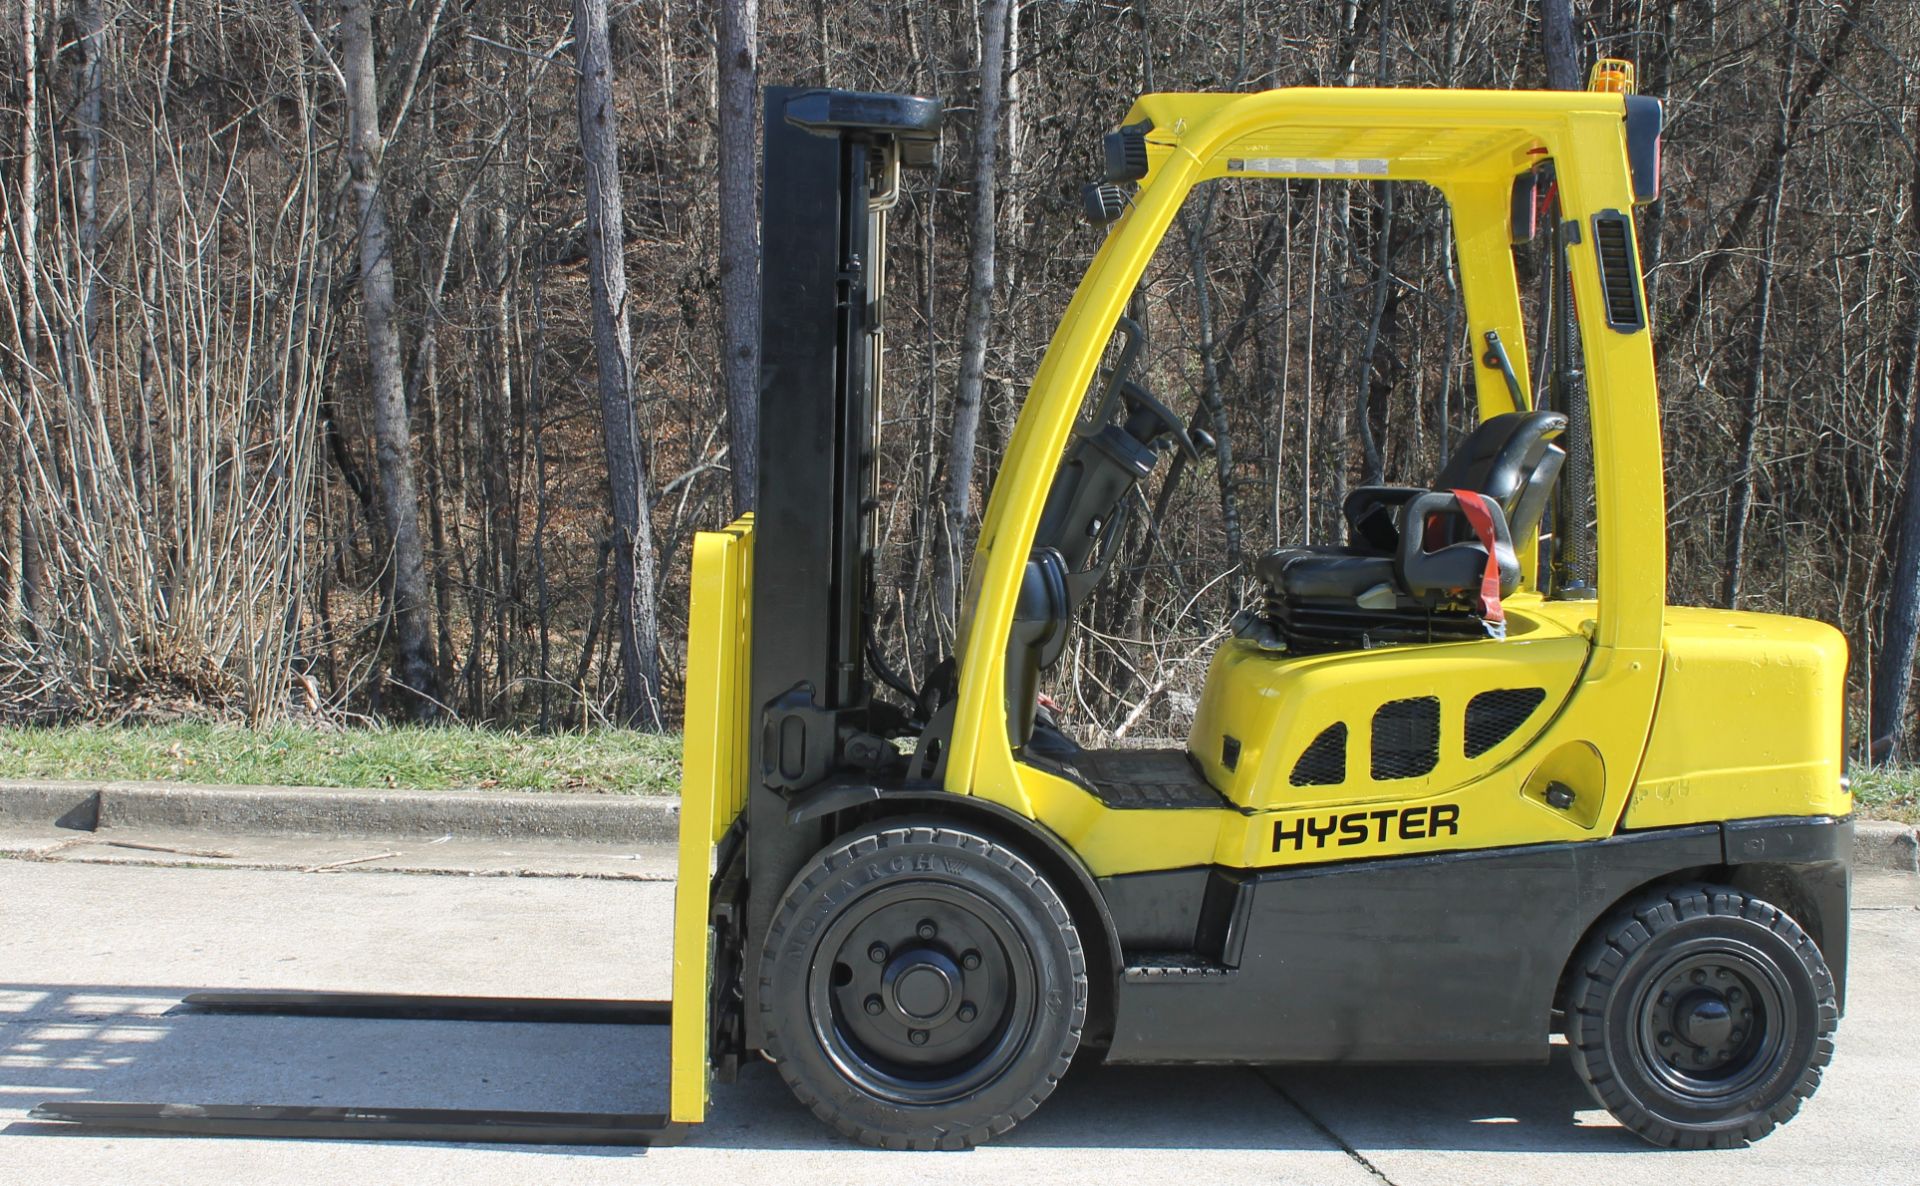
[1666,1039]
[970,961]
[967,1012]
[917,1037]
[874,1005]
[927,929]
[877,953]
[1699,1056]
[1733,994]
[1700,976]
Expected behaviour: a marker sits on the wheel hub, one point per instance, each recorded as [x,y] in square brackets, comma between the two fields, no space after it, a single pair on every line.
[928,994]
[922,985]
[1704,1020]
[1710,1023]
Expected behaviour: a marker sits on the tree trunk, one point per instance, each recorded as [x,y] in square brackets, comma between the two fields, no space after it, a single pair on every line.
[740,242]
[1659,81]
[1199,230]
[1754,384]
[613,359]
[413,663]
[1372,454]
[90,44]
[1563,51]
[24,591]
[1893,667]
[950,550]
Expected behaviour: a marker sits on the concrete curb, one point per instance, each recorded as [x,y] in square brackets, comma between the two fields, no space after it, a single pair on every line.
[501,815]
[322,811]
[1883,844]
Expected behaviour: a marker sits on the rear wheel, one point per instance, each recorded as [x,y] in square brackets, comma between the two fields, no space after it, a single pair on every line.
[1701,1017]
[922,986]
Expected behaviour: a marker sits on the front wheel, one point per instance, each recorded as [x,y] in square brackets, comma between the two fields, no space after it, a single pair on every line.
[922,986]
[1701,1017]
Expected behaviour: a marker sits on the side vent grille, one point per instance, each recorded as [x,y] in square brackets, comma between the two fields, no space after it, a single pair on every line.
[1493,716]
[1324,763]
[1619,271]
[1406,738]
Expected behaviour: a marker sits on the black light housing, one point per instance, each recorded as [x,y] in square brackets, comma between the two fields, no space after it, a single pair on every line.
[1103,203]
[1126,152]
[1644,120]
[1525,207]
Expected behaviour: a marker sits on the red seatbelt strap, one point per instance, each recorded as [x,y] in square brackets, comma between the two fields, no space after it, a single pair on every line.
[1474,506]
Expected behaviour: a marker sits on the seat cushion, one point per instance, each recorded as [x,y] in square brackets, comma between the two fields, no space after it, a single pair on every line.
[1323,574]
[1270,566]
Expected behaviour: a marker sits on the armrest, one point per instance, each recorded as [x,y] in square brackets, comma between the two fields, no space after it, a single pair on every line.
[1455,568]
[1369,514]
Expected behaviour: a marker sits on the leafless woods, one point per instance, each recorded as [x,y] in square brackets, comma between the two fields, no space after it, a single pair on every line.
[308,407]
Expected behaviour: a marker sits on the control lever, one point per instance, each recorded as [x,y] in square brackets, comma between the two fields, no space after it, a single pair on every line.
[1147,418]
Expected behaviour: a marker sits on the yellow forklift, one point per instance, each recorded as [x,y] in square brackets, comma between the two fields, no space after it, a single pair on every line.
[1459,783]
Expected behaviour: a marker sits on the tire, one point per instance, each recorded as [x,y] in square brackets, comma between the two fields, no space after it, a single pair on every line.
[922,986]
[1701,1017]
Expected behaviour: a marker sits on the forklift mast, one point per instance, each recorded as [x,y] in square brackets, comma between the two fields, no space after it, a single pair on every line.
[832,163]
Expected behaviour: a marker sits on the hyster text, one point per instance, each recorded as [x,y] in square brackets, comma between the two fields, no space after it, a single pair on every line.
[1360,827]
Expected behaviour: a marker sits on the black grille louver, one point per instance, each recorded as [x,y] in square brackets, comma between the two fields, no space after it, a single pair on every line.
[1493,716]
[1324,763]
[1619,271]
[1406,738]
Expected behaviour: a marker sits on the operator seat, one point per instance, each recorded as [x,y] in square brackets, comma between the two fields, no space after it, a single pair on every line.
[1414,564]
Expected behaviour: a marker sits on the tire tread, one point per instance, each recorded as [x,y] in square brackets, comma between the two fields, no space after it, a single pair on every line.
[1597,971]
[937,1135]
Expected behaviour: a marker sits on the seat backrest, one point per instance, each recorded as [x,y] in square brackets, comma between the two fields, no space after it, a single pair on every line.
[1510,458]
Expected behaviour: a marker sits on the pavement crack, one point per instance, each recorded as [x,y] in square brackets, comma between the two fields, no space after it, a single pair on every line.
[1358,1157]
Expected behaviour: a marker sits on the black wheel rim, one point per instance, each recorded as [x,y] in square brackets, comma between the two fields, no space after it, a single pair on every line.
[922,993]
[1715,1021]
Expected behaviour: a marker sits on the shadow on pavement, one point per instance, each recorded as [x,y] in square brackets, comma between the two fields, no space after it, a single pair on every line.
[71,1042]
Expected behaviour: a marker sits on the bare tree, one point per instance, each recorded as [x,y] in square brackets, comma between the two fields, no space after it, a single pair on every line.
[1754,379]
[1893,666]
[1562,51]
[740,241]
[973,334]
[414,666]
[613,359]
[89,46]
[24,550]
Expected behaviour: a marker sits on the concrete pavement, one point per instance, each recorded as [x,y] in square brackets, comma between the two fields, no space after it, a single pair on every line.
[92,956]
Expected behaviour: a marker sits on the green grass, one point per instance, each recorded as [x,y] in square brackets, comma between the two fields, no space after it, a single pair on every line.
[1881,793]
[455,757]
[613,761]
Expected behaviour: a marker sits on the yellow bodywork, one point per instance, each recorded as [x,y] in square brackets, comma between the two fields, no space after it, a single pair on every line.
[1749,722]
[1599,663]
[1748,706]
[713,789]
